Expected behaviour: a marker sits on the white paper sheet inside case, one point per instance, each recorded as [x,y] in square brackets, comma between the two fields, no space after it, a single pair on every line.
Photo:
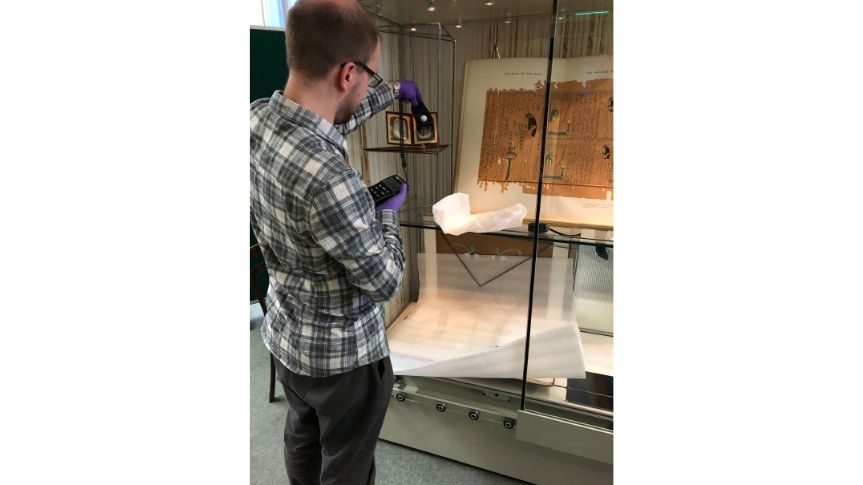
[452,214]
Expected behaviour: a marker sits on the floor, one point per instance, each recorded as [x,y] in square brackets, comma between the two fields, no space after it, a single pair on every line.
[396,464]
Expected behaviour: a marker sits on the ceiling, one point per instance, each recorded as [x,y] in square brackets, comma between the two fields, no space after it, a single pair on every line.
[449,11]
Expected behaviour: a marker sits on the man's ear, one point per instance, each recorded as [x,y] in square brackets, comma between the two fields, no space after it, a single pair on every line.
[345,75]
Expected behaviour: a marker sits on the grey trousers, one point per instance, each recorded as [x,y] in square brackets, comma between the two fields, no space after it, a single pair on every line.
[334,422]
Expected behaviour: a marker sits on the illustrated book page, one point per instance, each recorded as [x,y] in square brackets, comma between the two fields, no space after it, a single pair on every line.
[502,132]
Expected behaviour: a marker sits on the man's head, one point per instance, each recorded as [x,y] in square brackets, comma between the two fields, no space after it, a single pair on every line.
[333,42]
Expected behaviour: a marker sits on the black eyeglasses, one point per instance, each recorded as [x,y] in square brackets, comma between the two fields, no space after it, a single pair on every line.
[374,79]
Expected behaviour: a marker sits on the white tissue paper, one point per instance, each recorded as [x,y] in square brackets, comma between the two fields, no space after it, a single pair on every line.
[452,214]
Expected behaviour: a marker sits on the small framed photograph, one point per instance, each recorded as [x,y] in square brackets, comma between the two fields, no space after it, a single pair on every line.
[400,128]
[426,134]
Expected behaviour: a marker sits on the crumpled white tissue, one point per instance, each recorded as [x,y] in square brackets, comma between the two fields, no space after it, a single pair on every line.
[452,214]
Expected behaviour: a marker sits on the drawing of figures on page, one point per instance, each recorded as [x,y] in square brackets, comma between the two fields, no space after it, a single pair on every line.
[579,148]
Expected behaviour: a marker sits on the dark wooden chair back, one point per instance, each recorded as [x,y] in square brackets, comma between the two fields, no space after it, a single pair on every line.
[258,281]
[258,269]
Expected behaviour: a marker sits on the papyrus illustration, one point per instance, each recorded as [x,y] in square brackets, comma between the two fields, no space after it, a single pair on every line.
[502,132]
[580,145]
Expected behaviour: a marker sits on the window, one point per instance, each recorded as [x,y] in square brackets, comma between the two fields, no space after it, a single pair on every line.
[270,13]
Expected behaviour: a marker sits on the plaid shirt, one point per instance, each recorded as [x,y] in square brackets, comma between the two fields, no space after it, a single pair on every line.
[331,259]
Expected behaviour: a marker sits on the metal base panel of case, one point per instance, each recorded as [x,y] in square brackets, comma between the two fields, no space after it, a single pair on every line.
[480,427]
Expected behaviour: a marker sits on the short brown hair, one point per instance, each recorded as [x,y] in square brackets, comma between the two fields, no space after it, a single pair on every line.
[321,34]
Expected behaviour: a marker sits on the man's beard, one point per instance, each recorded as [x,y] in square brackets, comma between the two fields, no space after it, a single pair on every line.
[346,109]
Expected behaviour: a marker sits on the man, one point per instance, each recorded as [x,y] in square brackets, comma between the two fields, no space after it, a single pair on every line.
[332,256]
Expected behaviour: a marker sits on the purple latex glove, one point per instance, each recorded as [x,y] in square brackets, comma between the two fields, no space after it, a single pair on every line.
[409,91]
[395,202]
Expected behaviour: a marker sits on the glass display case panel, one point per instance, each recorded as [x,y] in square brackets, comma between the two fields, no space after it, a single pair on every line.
[469,317]
[482,69]
[426,56]
[571,318]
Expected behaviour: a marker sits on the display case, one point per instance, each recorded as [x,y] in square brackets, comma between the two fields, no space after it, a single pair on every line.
[502,340]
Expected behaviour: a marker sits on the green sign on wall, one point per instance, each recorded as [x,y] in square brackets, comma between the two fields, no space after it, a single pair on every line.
[267,62]
[268,72]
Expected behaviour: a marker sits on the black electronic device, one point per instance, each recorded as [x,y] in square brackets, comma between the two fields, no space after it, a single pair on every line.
[422,117]
[386,188]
